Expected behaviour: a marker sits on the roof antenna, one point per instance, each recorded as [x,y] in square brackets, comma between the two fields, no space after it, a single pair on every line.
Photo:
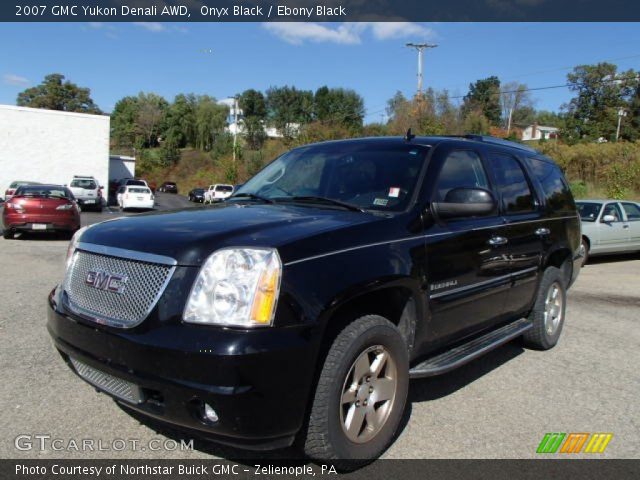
[409,136]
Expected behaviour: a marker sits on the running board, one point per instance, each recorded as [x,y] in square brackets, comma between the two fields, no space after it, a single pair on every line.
[471,350]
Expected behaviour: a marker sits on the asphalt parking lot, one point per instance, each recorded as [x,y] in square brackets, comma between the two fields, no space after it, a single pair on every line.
[497,407]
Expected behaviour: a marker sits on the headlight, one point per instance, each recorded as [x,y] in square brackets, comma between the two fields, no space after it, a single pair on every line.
[236,286]
[73,244]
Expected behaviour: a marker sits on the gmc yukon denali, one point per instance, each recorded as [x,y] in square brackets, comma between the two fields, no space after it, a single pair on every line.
[301,307]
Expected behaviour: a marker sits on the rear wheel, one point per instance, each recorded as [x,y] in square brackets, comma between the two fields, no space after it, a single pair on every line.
[584,251]
[548,312]
[361,393]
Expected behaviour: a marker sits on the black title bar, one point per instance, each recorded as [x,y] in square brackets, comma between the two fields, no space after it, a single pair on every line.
[320,11]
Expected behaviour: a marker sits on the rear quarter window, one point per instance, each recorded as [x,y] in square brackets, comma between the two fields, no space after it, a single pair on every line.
[556,191]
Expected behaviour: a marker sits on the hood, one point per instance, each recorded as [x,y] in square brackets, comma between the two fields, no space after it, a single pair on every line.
[191,235]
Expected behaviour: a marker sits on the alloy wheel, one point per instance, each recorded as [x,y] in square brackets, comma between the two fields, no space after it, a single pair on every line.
[368,394]
[553,308]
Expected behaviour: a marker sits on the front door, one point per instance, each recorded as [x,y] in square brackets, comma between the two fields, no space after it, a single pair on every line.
[467,258]
[613,235]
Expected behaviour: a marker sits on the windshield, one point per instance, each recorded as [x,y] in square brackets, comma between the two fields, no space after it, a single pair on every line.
[84,183]
[224,188]
[365,175]
[588,211]
[49,191]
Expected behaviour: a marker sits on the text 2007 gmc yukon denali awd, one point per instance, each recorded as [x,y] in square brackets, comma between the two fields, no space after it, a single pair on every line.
[301,307]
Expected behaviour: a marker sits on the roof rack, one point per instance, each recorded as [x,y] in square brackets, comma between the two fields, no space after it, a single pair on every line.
[498,141]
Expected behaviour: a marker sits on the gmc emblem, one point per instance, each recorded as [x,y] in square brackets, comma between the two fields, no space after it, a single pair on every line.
[107,281]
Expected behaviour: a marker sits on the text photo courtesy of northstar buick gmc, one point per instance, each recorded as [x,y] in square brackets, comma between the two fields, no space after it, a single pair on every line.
[301,306]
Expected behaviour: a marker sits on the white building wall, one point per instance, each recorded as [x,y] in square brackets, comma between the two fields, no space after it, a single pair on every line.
[51,146]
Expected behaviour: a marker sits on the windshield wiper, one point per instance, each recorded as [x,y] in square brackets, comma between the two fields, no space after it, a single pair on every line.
[253,196]
[326,200]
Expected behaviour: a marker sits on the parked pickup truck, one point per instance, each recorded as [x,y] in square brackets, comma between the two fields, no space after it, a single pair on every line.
[302,306]
[217,193]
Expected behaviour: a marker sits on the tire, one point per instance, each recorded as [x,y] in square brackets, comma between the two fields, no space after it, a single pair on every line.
[548,312]
[584,248]
[7,234]
[366,339]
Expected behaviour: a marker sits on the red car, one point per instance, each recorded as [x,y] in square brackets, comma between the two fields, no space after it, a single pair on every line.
[41,208]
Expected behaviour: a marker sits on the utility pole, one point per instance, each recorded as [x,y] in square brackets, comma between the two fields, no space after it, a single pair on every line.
[420,47]
[621,113]
[509,121]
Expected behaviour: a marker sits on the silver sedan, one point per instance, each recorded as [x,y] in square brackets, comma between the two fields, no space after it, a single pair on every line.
[609,226]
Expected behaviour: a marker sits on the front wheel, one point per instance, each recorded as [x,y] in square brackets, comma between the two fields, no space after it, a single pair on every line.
[548,312]
[361,393]
[7,234]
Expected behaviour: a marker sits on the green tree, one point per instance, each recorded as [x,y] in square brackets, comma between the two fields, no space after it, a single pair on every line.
[484,97]
[288,108]
[549,119]
[181,121]
[56,94]
[339,105]
[254,112]
[600,92]
[150,118]
[123,122]
[475,122]
[211,118]
[632,127]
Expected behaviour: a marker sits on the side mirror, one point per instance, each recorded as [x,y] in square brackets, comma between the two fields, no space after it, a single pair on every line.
[608,219]
[465,202]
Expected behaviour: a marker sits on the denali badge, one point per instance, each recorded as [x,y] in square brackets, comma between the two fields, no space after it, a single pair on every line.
[111,282]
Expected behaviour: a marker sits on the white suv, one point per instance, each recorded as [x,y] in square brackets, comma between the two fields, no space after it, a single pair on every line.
[218,193]
[87,192]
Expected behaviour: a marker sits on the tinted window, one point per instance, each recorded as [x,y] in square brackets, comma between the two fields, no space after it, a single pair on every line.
[84,183]
[462,168]
[516,196]
[368,175]
[614,210]
[557,194]
[224,188]
[136,182]
[588,210]
[46,191]
[632,210]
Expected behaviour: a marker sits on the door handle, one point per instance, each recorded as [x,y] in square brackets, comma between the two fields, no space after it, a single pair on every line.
[625,226]
[541,232]
[496,241]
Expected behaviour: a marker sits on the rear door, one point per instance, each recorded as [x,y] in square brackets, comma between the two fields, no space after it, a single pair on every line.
[467,258]
[632,210]
[525,229]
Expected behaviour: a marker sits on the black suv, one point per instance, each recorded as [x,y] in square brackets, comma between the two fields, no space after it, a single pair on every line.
[301,306]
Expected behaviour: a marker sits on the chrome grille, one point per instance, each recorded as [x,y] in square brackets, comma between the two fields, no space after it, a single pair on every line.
[116,386]
[145,283]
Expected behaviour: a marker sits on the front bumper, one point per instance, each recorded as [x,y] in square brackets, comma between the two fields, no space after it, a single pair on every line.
[257,381]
